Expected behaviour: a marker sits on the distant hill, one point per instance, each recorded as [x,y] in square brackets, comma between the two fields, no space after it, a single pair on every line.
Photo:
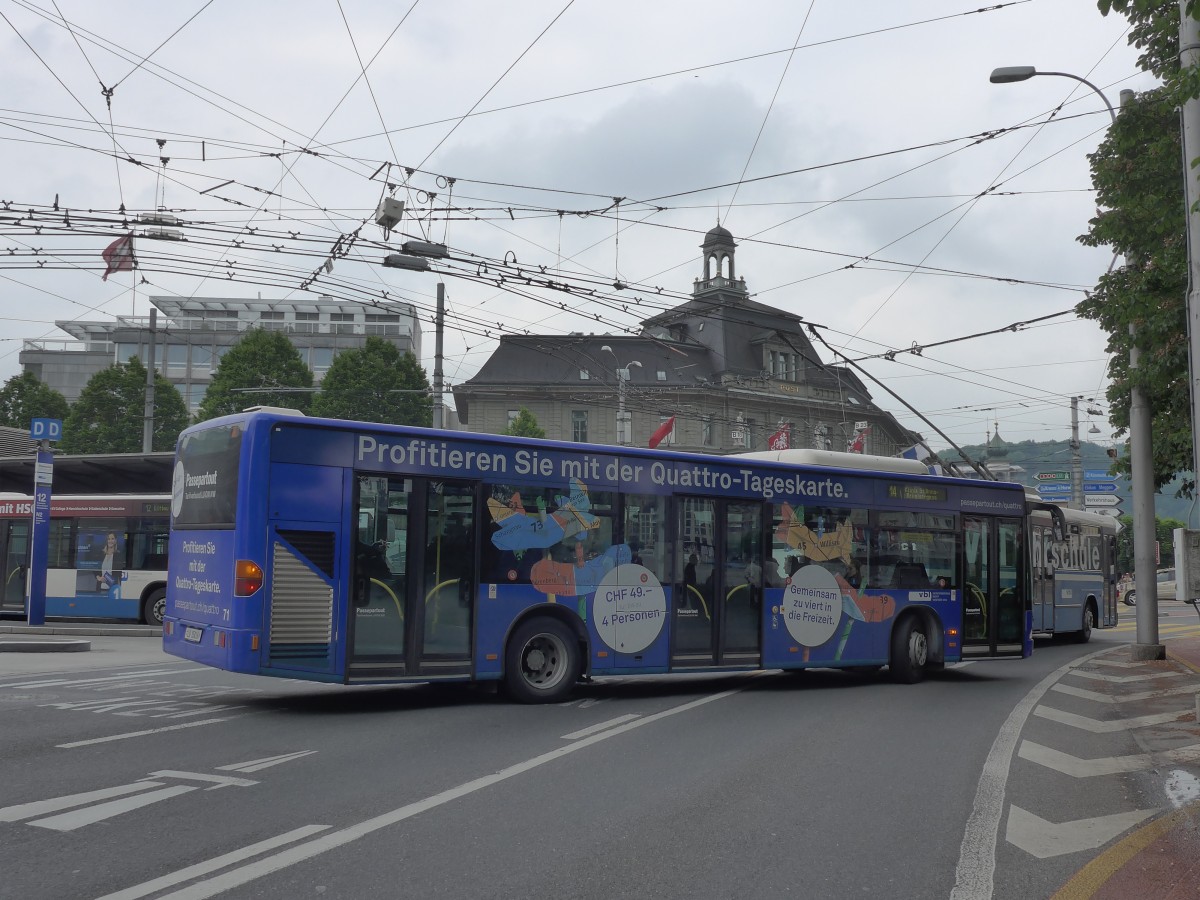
[1055,456]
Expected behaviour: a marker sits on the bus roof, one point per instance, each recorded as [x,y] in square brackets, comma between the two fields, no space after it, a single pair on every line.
[839,460]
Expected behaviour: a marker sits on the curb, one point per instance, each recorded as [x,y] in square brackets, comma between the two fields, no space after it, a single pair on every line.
[86,630]
[74,646]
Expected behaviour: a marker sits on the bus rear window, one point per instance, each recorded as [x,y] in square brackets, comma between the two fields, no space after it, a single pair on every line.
[205,482]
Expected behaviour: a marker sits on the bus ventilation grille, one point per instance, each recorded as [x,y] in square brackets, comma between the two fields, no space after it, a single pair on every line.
[301,608]
[315,546]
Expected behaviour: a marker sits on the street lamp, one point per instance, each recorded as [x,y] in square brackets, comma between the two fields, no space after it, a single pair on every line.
[1142,475]
[622,377]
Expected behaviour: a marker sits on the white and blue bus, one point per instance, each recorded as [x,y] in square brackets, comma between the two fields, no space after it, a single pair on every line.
[356,553]
[107,556]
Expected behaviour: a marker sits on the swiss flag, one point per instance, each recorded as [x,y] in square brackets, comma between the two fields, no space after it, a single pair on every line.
[663,430]
[118,256]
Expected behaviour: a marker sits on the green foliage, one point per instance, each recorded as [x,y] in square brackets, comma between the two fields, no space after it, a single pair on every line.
[1138,175]
[261,359]
[108,416]
[1164,533]
[23,398]
[525,425]
[376,383]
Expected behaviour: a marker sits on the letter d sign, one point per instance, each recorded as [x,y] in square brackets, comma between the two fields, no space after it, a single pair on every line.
[46,429]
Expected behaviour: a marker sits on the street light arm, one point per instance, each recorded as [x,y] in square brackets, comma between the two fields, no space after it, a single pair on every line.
[1011,74]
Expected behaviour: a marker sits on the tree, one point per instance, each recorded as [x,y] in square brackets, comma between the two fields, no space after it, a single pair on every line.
[23,398]
[261,359]
[108,417]
[1137,172]
[376,383]
[525,425]
[1164,534]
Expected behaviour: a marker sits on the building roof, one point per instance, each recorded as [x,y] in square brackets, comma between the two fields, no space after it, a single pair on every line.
[105,473]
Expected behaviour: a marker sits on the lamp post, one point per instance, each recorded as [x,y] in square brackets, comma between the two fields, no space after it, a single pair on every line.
[416,258]
[622,377]
[1147,645]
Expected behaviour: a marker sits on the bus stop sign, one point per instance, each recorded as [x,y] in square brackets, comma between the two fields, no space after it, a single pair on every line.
[46,429]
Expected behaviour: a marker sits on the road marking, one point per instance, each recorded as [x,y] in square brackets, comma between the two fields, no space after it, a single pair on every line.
[1125,679]
[64,682]
[1125,698]
[1104,765]
[1096,726]
[42,807]
[600,726]
[218,862]
[297,854]
[976,869]
[1116,663]
[1043,839]
[218,781]
[257,765]
[77,818]
[135,734]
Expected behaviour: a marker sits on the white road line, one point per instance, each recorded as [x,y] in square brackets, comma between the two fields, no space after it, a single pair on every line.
[212,865]
[43,807]
[66,682]
[1125,679]
[218,780]
[1078,767]
[973,877]
[1043,840]
[257,765]
[290,857]
[136,734]
[77,818]
[1097,726]
[1116,663]
[600,726]
[1124,698]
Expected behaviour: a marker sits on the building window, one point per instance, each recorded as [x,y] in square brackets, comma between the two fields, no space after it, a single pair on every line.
[341,317]
[662,375]
[177,356]
[584,375]
[202,357]
[579,425]
[512,417]
[379,317]
[126,352]
[271,316]
[706,431]
[308,317]
[322,357]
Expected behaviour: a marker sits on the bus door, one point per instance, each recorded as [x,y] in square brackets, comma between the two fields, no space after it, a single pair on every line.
[717,608]
[1043,578]
[413,581]
[994,600]
[14,554]
[1108,565]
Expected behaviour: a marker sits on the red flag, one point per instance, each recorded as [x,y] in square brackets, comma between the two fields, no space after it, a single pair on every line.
[780,440]
[663,430]
[118,256]
[858,442]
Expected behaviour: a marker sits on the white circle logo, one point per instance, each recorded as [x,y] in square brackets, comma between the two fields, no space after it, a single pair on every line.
[812,606]
[629,608]
[177,482]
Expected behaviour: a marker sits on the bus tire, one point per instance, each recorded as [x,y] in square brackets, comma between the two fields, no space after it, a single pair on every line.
[1084,634]
[155,607]
[910,651]
[541,661]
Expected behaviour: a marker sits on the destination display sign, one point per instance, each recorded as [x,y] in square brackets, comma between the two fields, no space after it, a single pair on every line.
[1053,476]
[1054,489]
[1103,487]
[917,492]
[1098,475]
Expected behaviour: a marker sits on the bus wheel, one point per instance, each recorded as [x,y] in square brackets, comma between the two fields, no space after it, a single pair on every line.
[1084,634]
[155,607]
[541,661]
[910,651]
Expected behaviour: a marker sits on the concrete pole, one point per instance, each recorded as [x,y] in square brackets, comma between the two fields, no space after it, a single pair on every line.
[148,412]
[439,404]
[1076,458]
[1189,57]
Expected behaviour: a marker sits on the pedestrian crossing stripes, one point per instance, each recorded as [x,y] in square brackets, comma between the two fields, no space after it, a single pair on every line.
[1164,629]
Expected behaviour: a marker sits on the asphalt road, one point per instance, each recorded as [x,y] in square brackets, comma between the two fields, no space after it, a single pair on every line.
[144,776]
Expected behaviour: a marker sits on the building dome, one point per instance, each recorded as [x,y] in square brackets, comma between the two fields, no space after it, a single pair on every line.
[718,234]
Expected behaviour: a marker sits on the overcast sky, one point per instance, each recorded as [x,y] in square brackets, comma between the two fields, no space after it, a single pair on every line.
[856,128]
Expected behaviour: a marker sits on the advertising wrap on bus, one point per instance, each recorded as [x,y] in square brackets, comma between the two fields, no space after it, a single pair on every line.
[204,484]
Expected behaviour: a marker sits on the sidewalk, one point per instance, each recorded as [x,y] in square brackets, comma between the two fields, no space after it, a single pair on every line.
[1161,859]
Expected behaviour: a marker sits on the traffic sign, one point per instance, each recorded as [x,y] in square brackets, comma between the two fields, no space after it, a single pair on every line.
[1053,476]
[1054,489]
[1101,500]
[1103,487]
[45,429]
[1098,475]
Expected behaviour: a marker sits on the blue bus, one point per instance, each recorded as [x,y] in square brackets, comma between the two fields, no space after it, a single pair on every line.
[362,553]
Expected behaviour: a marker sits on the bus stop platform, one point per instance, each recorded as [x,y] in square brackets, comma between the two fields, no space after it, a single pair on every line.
[48,644]
[79,629]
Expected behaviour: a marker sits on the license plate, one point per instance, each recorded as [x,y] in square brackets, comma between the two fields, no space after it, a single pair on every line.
[193,635]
